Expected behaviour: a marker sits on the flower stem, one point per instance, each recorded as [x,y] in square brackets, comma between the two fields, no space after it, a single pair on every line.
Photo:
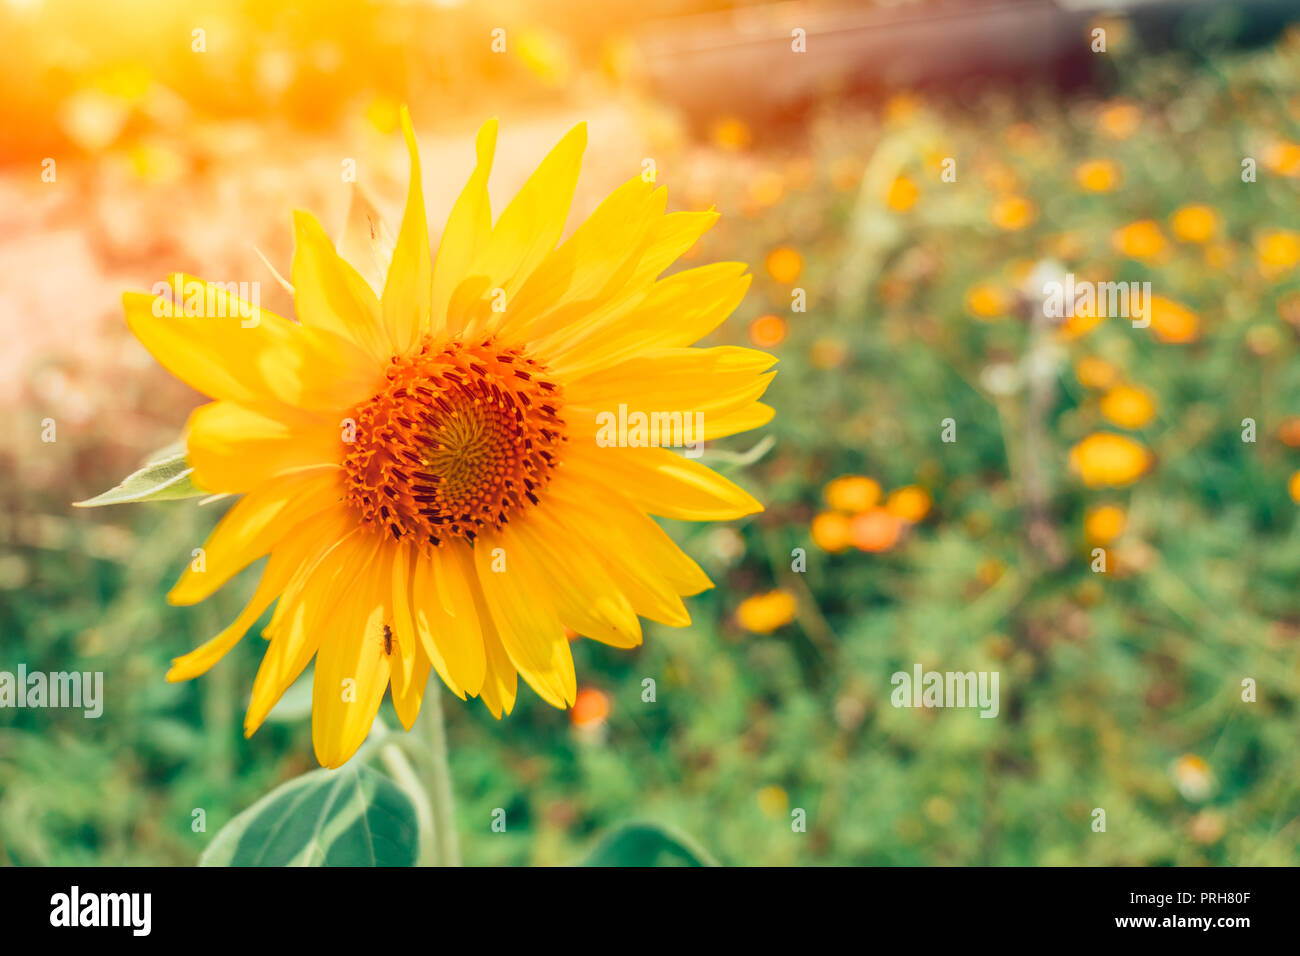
[438,777]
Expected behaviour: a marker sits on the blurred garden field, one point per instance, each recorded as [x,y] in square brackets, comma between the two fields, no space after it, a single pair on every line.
[1121,688]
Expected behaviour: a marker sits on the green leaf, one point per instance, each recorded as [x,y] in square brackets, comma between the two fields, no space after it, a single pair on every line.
[352,816]
[647,844]
[167,476]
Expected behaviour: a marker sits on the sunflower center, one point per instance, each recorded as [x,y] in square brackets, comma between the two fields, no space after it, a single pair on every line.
[460,438]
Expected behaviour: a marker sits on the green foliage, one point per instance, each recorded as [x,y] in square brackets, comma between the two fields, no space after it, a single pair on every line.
[165,477]
[352,816]
[642,844]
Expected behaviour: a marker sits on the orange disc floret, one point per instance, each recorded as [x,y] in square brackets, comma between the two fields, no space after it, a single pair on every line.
[461,437]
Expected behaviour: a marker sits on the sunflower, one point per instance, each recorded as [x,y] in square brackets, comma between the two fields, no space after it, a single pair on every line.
[418,453]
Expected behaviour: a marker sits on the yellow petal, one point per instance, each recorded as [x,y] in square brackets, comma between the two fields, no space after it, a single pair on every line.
[525,619]
[330,294]
[467,231]
[679,311]
[453,644]
[234,449]
[286,560]
[352,673]
[303,615]
[664,483]
[253,526]
[405,302]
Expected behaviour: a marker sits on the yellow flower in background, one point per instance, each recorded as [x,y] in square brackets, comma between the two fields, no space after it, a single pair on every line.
[384,114]
[784,264]
[544,55]
[773,802]
[1293,487]
[1128,406]
[424,470]
[987,300]
[1195,223]
[1098,175]
[1093,372]
[1013,213]
[852,493]
[910,503]
[764,613]
[1278,251]
[1119,120]
[1283,158]
[1102,524]
[875,530]
[902,194]
[1104,458]
[1172,321]
[1139,240]
[830,531]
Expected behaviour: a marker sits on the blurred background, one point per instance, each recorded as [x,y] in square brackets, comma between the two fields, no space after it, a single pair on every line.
[912,178]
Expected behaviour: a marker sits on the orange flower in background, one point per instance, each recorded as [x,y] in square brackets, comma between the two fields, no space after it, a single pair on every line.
[436,531]
[1195,223]
[1278,251]
[852,493]
[1093,372]
[766,189]
[1085,317]
[1173,322]
[590,709]
[828,352]
[1119,120]
[784,264]
[1013,213]
[1104,458]
[1128,406]
[767,331]
[1289,432]
[764,613]
[830,531]
[1283,157]
[1139,240]
[1098,175]
[875,530]
[910,503]
[1293,487]
[902,194]
[987,300]
[731,133]
[1102,524]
